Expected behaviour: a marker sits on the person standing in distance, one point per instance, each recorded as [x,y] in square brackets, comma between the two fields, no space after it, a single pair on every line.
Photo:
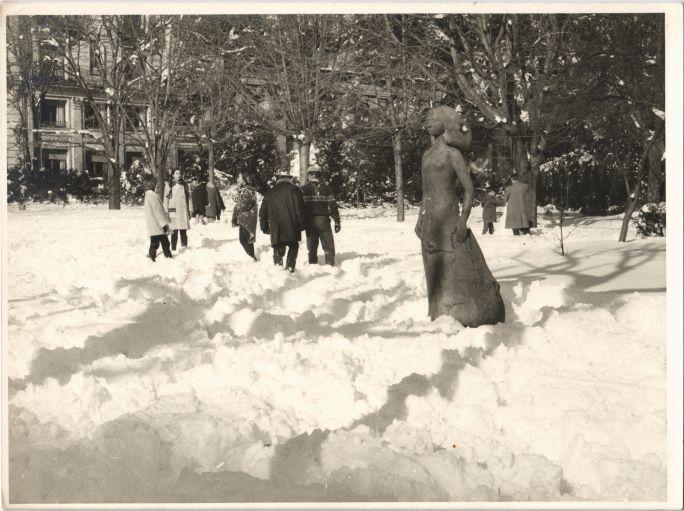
[517,218]
[157,220]
[282,216]
[320,206]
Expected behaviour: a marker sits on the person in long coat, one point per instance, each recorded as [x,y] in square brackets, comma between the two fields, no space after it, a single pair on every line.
[489,212]
[516,207]
[282,216]
[245,211]
[214,202]
[156,219]
[199,201]
[178,205]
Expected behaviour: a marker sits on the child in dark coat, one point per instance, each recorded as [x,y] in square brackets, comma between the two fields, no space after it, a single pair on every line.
[489,212]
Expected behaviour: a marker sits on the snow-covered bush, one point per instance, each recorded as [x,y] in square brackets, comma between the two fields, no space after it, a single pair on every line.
[132,188]
[650,221]
[17,189]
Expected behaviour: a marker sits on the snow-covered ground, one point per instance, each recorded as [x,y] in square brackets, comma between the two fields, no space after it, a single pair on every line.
[210,378]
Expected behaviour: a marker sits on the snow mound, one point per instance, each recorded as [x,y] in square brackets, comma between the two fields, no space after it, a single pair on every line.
[210,378]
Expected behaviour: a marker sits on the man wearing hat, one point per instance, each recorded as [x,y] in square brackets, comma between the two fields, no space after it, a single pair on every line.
[320,206]
[282,216]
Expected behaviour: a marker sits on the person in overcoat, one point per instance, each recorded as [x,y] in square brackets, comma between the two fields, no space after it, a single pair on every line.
[516,207]
[199,201]
[156,219]
[178,205]
[282,215]
[245,211]
[214,202]
[489,212]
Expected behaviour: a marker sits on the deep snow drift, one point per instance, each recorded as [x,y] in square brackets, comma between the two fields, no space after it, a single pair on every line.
[209,378]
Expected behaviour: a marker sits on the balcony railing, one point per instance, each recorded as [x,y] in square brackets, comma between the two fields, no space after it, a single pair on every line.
[52,124]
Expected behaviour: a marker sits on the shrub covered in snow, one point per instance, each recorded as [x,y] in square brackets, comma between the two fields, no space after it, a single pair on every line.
[132,188]
[17,189]
[650,221]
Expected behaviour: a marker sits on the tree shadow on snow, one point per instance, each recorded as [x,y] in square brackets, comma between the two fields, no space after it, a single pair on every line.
[576,269]
[168,320]
[445,381]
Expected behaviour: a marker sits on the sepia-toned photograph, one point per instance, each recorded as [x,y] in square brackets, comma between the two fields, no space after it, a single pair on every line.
[310,257]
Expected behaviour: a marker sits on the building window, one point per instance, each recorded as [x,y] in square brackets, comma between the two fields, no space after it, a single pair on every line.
[54,160]
[96,164]
[53,113]
[134,118]
[89,119]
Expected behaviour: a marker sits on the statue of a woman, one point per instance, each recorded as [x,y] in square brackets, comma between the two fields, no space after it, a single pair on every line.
[459,283]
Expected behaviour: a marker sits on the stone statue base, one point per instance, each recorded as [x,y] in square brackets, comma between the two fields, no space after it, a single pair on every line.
[460,285]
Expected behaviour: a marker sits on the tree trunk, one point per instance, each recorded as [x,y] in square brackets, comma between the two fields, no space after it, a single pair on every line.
[629,211]
[527,175]
[210,164]
[399,174]
[633,198]
[502,163]
[304,149]
[535,162]
[655,172]
[114,173]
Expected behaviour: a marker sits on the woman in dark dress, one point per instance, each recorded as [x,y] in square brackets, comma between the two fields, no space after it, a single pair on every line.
[459,283]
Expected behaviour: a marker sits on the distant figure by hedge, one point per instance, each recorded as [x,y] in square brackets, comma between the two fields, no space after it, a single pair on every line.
[516,207]
[489,212]
[459,283]
[215,203]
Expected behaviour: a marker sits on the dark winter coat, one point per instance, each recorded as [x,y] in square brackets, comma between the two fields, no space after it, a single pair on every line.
[319,201]
[214,202]
[282,213]
[516,206]
[199,199]
[489,209]
[245,212]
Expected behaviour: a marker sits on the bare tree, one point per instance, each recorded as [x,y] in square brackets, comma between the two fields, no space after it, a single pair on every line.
[300,77]
[153,44]
[506,66]
[93,55]
[30,72]
[212,109]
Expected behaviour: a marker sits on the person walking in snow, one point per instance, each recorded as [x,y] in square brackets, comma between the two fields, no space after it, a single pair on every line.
[245,211]
[178,206]
[516,207]
[320,206]
[282,216]
[156,219]
[199,200]
[214,202]
[489,212]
